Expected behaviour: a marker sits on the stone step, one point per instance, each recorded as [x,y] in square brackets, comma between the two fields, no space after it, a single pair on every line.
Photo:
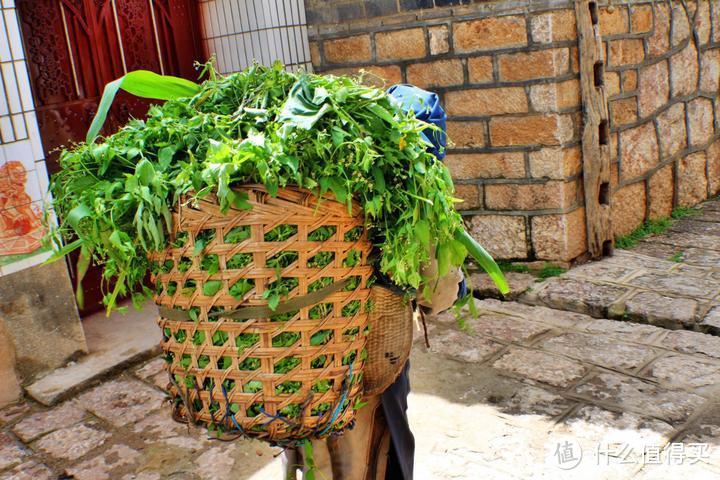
[114,343]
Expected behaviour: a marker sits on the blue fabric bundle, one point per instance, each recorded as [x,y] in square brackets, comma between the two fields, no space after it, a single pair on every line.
[427,108]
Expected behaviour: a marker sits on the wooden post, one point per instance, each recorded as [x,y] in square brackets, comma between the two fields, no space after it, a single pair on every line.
[596,130]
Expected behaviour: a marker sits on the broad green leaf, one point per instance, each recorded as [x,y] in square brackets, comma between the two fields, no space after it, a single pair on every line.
[484,259]
[141,83]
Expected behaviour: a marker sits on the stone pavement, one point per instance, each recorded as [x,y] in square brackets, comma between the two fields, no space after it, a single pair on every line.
[670,280]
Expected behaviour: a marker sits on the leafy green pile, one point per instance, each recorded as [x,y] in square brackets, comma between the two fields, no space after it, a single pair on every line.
[263,125]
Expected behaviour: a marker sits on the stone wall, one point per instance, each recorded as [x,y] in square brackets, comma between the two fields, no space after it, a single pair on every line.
[507,73]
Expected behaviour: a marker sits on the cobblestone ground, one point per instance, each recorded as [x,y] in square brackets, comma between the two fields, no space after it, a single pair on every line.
[670,280]
[518,392]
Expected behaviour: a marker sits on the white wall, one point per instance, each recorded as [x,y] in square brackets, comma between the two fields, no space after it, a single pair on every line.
[19,144]
[240,31]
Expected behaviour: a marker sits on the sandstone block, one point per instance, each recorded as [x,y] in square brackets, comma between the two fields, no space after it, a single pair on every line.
[480,69]
[661,193]
[440,73]
[439,43]
[315,54]
[555,26]
[639,150]
[628,208]
[612,83]
[400,44]
[614,21]
[624,111]
[629,81]
[641,18]
[10,452]
[534,196]
[684,371]
[703,22]
[713,155]
[41,423]
[671,128]
[73,442]
[700,121]
[686,341]
[489,34]
[463,347]
[353,49]
[466,134]
[531,65]
[654,88]
[470,195]
[684,71]
[102,466]
[555,163]
[659,41]
[626,52]
[559,237]
[692,181]
[680,25]
[545,130]
[122,402]
[502,236]
[710,73]
[486,101]
[486,165]
[505,327]
[555,97]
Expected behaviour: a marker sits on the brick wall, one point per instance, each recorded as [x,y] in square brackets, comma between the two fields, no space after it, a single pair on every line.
[507,73]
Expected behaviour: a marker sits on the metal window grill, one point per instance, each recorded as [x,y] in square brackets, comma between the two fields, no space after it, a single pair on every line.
[239,32]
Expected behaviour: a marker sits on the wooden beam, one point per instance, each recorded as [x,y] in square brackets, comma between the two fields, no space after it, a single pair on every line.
[596,130]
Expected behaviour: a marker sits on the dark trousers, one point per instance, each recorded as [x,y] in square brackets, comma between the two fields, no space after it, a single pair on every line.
[402,446]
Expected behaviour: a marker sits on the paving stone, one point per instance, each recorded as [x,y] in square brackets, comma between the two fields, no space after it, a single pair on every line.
[634,259]
[706,430]
[30,470]
[657,250]
[11,453]
[607,271]
[702,228]
[702,257]
[483,285]
[72,443]
[121,402]
[669,312]
[13,412]
[530,400]
[707,215]
[677,285]
[697,271]
[627,331]
[161,428]
[681,239]
[43,422]
[540,366]
[505,327]
[640,396]
[155,373]
[693,342]
[712,319]
[102,466]
[684,371]
[601,350]
[539,314]
[142,476]
[463,346]
[580,296]
[216,464]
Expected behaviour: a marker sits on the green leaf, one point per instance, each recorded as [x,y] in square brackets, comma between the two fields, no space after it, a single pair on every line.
[141,83]
[77,214]
[484,259]
[145,172]
[212,287]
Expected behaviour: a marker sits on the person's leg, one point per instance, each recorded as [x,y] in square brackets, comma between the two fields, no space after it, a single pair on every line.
[402,448]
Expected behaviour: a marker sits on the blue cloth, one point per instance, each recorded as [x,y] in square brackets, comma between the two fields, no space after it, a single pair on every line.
[427,108]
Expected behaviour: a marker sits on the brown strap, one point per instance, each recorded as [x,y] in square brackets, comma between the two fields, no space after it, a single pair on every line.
[245,313]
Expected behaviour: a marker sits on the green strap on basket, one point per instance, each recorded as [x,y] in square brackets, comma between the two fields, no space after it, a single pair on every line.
[246,313]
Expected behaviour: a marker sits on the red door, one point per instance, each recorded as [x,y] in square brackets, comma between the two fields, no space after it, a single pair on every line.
[75,47]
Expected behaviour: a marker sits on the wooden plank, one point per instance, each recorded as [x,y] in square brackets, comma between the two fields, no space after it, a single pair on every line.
[596,131]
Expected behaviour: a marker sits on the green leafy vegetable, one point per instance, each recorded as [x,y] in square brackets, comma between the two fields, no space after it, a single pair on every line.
[264,125]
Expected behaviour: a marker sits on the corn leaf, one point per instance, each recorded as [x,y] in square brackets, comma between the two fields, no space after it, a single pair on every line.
[141,83]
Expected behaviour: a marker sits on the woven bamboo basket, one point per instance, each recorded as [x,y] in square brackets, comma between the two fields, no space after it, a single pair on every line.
[238,367]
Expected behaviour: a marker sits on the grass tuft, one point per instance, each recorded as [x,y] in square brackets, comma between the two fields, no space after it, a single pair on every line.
[550,270]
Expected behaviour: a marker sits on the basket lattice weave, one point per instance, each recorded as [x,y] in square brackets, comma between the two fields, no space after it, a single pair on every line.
[281,377]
